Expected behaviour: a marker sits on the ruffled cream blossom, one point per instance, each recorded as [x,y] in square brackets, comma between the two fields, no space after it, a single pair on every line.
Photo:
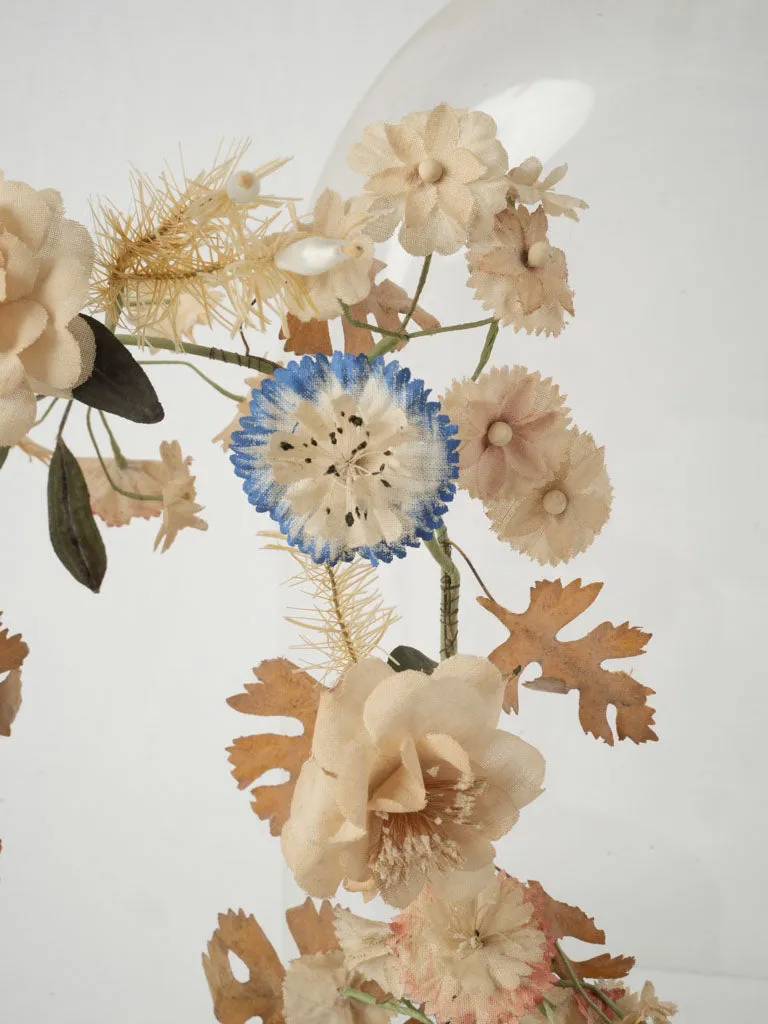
[349,279]
[528,187]
[224,437]
[441,172]
[136,477]
[368,948]
[311,993]
[481,961]
[519,276]
[558,518]
[45,266]
[512,425]
[177,487]
[409,783]
[646,1008]
[188,312]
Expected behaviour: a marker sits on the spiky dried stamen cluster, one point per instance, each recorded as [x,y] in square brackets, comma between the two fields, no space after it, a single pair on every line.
[186,237]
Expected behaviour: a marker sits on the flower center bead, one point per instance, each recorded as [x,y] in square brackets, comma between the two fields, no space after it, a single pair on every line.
[499,433]
[538,254]
[555,502]
[430,170]
[312,256]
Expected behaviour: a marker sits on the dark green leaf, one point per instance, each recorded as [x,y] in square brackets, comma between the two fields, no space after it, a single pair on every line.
[118,384]
[3,455]
[403,658]
[74,534]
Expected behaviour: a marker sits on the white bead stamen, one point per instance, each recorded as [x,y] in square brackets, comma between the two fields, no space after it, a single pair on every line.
[499,433]
[554,502]
[430,170]
[243,187]
[313,255]
[539,254]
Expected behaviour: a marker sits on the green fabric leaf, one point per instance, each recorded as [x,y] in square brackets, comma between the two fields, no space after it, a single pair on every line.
[74,534]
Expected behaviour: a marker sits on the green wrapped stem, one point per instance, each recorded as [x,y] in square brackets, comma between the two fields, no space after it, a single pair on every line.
[450,584]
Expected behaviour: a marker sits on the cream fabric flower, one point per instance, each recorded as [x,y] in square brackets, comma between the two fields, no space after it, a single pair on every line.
[557,519]
[528,187]
[311,993]
[45,266]
[182,318]
[177,486]
[481,961]
[519,276]
[224,437]
[512,425]
[350,279]
[441,172]
[116,509]
[409,783]
[368,948]
[646,1008]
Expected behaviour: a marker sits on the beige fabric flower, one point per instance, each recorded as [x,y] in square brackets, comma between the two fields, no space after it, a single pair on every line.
[177,486]
[350,279]
[481,961]
[512,425]
[311,993]
[519,276]
[187,313]
[45,266]
[409,783]
[224,437]
[646,1008]
[116,509]
[528,187]
[557,519]
[368,948]
[441,172]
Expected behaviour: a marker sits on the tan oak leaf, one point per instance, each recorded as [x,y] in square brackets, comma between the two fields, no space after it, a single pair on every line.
[575,664]
[312,929]
[566,921]
[283,689]
[235,1002]
[13,651]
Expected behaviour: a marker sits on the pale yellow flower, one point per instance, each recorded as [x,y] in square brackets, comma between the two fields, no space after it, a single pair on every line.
[512,426]
[519,276]
[350,278]
[410,782]
[116,509]
[482,961]
[45,266]
[311,993]
[441,172]
[177,486]
[528,187]
[558,518]
[368,948]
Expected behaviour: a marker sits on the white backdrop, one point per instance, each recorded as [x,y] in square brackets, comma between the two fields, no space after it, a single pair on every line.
[124,833]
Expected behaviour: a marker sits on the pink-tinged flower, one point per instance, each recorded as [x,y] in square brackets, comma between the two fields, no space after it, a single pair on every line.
[519,276]
[554,519]
[410,782]
[441,172]
[512,425]
[311,993]
[482,961]
[114,508]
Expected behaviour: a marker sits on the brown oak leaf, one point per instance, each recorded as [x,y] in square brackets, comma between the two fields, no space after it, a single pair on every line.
[13,651]
[575,664]
[566,921]
[312,929]
[235,1002]
[285,690]
[385,302]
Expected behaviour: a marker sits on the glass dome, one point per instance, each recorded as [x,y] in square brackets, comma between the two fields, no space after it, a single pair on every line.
[659,110]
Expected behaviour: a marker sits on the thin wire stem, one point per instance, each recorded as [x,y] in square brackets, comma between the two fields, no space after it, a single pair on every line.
[452,327]
[395,1007]
[45,414]
[110,481]
[419,289]
[485,355]
[579,985]
[64,419]
[117,451]
[398,335]
[221,355]
[450,583]
[205,377]
[474,571]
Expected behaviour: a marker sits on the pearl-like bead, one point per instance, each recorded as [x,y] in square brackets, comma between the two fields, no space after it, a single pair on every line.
[243,187]
[311,256]
[538,254]
[554,502]
[499,433]
[430,170]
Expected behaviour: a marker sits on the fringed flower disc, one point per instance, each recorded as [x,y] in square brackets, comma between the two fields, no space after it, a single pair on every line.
[348,456]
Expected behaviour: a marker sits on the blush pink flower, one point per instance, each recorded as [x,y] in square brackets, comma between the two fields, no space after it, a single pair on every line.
[512,425]
[487,960]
